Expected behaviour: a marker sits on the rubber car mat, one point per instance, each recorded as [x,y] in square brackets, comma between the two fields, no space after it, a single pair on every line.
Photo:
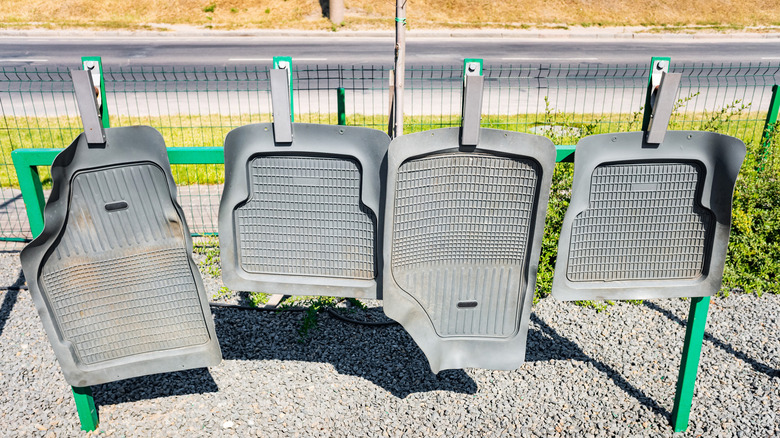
[301,218]
[112,274]
[648,221]
[463,235]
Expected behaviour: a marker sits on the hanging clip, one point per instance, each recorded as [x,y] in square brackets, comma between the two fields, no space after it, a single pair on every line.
[280,99]
[88,108]
[662,102]
[471,109]
[94,68]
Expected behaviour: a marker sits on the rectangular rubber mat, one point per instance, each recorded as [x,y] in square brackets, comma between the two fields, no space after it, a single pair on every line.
[111,273]
[302,218]
[647,221]
[463,232]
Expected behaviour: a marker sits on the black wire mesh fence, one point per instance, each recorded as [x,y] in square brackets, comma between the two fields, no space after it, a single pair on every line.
[197,106]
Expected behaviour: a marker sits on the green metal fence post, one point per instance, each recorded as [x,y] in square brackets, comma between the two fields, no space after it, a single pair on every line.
[689,365]
[278,62]
[770,125]
[697,320]
[85,406]
[95,65]
[26,162]
[342,105]
[32,190]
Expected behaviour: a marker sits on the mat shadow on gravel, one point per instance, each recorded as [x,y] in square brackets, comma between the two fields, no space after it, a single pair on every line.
[757,366]
[197,381]
[386,356]
[546,344]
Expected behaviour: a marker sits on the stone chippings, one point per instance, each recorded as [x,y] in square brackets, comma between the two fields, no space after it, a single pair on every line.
[587,374]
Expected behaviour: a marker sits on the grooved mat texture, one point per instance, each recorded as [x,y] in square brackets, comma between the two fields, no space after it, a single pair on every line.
[460,235]
[643,222]
[119,280]
[304,217]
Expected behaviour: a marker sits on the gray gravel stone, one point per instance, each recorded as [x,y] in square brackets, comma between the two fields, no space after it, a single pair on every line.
[587,374]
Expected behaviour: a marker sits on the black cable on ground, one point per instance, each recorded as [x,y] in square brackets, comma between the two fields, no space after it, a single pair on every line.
[338,315]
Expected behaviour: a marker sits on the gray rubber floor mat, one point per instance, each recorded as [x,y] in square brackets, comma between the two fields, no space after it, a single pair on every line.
[648,222]
[302,218]
[112,274]
[463,235]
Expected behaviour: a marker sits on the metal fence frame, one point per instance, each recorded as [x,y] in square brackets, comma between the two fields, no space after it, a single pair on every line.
[27,161]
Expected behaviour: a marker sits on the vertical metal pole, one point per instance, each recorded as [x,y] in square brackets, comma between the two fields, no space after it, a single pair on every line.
[336,11]
[400,66]
[286,62]
[689,365]
[770,125]
[85,406]
[94,65]
[341,100]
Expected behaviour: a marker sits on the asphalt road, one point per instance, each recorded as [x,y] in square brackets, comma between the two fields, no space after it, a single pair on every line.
[226,51]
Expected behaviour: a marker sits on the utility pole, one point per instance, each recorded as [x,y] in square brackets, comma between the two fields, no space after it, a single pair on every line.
[336,11]
[400,59]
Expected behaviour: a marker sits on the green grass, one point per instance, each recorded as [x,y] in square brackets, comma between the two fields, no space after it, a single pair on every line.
[735,119]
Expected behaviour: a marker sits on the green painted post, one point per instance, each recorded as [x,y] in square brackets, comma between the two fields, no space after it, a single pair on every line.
[649,93]
[468,61]
[342,105]
[94,62]
[689,365]
[288,59]
[85,406]
[770,125]
[697,319]
[30,184]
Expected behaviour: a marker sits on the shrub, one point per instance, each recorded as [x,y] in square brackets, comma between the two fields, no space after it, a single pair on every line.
[753,262]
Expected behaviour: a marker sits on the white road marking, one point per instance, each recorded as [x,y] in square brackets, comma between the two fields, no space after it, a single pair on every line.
[771,57]
[271,59]
[549,59]
[22,60]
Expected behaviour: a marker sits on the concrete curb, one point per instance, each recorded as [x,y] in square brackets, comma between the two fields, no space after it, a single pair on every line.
[624,34]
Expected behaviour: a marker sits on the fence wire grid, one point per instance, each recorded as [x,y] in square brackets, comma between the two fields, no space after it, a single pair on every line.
[198,106]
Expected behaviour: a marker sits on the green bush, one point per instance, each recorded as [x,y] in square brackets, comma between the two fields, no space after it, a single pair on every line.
[753,259]
[560,195]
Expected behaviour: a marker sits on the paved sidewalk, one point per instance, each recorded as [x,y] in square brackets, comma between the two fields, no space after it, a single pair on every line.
[573,33]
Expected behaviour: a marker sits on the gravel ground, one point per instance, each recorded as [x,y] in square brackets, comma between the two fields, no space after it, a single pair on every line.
[587,374]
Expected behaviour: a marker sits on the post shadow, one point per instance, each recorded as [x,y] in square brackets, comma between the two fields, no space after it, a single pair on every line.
[11,296]
[386,356]
[556,347]
[12,200]
[728,348]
